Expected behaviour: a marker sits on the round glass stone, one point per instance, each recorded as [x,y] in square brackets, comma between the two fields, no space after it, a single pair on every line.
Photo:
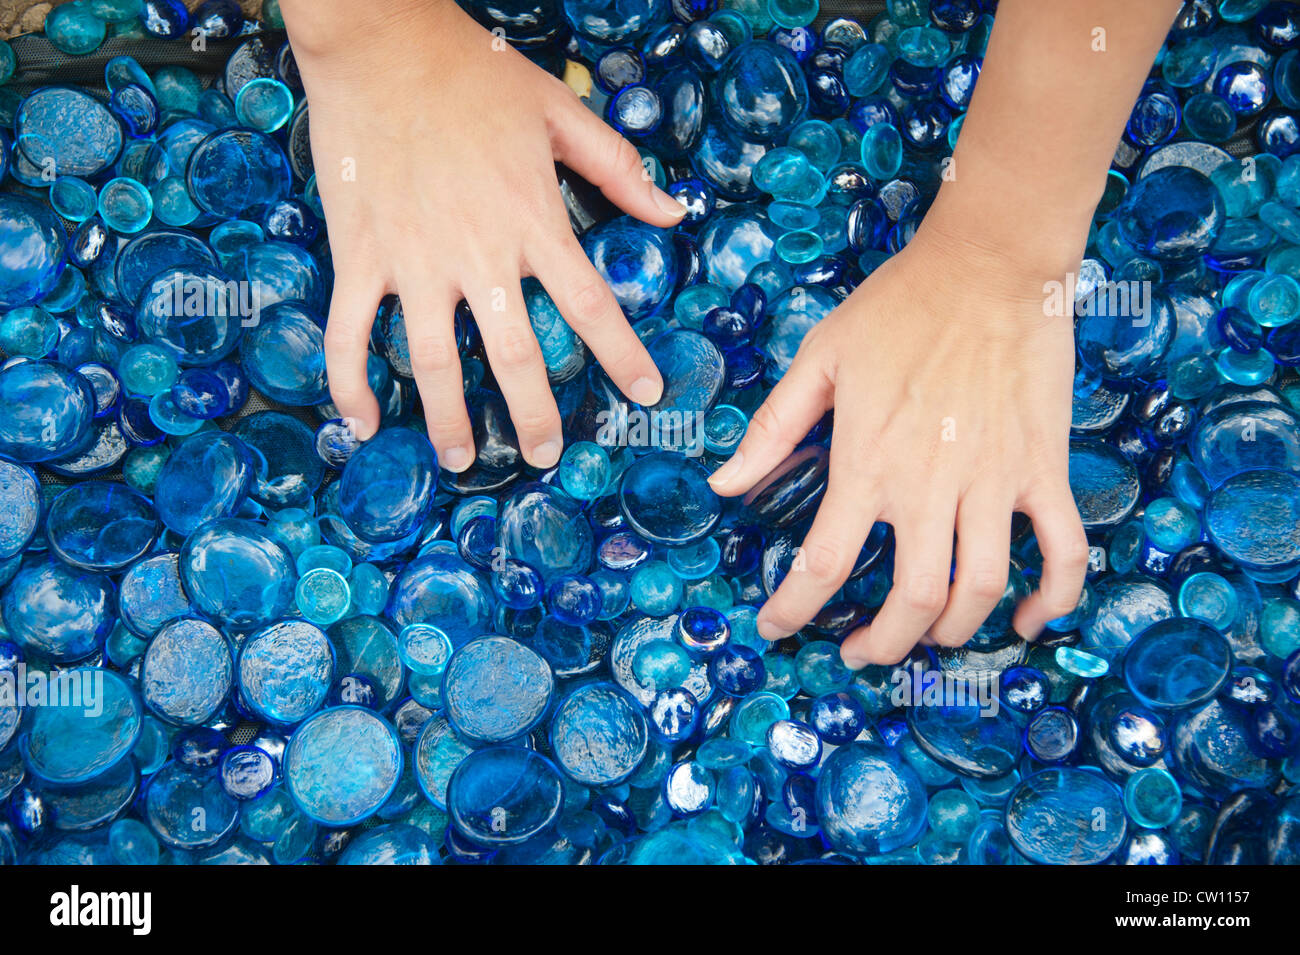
[94,725]
[666,499]
[504,795]
[386,489]
[342,764]
[235,572]
[58,612]
[285,671]
[67,131]
[21,503]
[869,802]
[237,173]
[598,735]
[496,689]
[187,672]
[100,526]
[48,410]
[1066,816]
[1177,663]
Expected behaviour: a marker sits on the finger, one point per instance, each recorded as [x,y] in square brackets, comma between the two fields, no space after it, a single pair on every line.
[517,363]
[826,556]
[798,401]
[1064,546]
[922,560]
[589,307]
[582,141]
[347,345]
[435,362]
[983,551]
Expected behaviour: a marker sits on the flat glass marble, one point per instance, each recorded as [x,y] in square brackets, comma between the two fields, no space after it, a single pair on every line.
[1066,816]
[69,130]
[385,491]
[48,411]
[58,612]
[237,573]
[667,499]
[504,795]
[869,801]
[94,726]
[31,250]
[100,526]
[337,792]
[237,171]
[22,505]
[496,689]
[187,672]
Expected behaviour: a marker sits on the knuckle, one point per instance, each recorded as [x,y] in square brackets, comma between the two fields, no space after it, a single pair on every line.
[589,304]
[536,421]
[432,356]
[987,584]
[922,594]
[826,562]
[517,348]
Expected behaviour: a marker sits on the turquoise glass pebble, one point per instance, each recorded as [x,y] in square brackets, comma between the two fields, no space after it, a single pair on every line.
[335,792]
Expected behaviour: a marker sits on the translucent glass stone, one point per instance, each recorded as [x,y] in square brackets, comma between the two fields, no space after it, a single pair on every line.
[342,792]
[598,735]
[1104,483]
[504,795]
[247,772]
[237,172]
[100,526]
[424,648]
[545,529]
[441,589]
[21,503]
[638,261]
[966,738]
[869,801]
[762,92]
[1124,607]
[73,741]
[73,198]
[264,104]
[693,372]
[125,205]
[666,499]
[394,844]
[438,752]
[386,489]
[789,317]
[29,331]
[187,672]
[1152,798]
[207,477]
[177,796]
[1063,815]
[322,596]
[69,129]
[283,355]
[48,411]
[1171,214]
[1208,597]
[193,312]
[1214,752]
[585,470]
[236,572]
[882,151]
[284,671]
[734,242]
[495,689]
[58,612]
[1254,518]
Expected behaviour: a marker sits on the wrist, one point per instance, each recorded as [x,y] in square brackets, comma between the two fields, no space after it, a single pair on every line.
[330,28]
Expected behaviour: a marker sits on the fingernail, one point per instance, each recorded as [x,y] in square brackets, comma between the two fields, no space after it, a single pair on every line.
[668,205]
[770,631]
[456,459]
[728,471]
[546,454]
[645,391]
[854,662]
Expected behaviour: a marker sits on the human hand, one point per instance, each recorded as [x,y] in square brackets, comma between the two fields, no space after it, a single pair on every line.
[434,145]
[952,396]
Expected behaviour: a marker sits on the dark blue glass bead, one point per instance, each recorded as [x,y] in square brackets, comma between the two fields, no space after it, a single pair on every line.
[636,111]
[925,125]
[792,491]
[136,108]
[1052,735]
[219,19]
[1246,86]
[1239,328]
[637,260]
[1283,344]
[958,80]
[1290,679]
[697,198]
[828,59]
[574,599]
[837,717]
[728,327]
[292,221]
[247,772]
[136,424]
[477,540]
[1195,18]
[1278,26]
[974,738]
[1024,689]
[386,489]
[1148,848]
[1171,214]
[761,91]
[702,630]
[827,93]
[742,549]
[236,172]
[914,81]
[706,46]
[200,393]
[503,795]
[673,714]
[737,670]
[666,499]
[871,111]
[165,19]
[1278,133]
[1274,731]
[955,16]
[87,243]
[1155,118]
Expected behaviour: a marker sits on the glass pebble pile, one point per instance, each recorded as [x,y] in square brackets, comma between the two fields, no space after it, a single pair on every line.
[335,652]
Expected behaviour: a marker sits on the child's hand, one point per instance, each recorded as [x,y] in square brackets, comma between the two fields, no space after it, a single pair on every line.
[952,395]
[434,145]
